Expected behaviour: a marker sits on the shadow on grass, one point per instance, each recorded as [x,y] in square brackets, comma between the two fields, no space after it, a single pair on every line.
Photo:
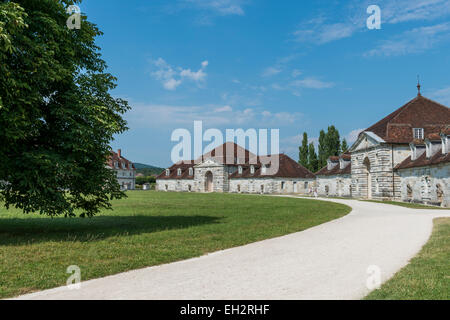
[25,231]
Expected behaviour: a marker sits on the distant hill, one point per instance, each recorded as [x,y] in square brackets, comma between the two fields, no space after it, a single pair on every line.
[146,169]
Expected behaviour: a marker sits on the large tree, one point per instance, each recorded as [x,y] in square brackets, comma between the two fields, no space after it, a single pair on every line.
[322,149]
[303,151]
[57,116]
[313,163]
[344,146]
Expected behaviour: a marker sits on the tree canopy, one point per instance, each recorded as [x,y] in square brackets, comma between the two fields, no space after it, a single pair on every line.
[57,115]
[329,144]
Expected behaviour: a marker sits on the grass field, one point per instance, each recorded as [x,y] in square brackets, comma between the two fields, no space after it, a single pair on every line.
[408,205]
[427,276]
[147,228]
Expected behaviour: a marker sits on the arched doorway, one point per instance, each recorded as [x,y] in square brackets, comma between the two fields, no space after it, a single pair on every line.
[369,177]
[209,185]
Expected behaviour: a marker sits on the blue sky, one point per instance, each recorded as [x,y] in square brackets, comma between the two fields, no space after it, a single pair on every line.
[292,65]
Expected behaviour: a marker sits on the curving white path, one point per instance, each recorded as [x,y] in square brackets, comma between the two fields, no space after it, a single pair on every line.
[329,261]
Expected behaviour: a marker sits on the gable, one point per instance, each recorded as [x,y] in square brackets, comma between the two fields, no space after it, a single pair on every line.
[366,140]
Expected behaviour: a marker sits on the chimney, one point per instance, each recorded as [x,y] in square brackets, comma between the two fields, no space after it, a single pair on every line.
[119,152]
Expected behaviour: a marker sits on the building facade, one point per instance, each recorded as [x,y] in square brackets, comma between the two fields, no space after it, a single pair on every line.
[402,157]
[125,170]
[231,168]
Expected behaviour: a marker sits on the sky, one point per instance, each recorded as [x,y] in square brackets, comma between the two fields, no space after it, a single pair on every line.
[296,66]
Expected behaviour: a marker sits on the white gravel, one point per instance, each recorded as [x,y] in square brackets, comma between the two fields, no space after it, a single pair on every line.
[329,261]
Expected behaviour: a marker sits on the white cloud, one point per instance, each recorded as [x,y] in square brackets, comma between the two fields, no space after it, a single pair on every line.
[409,10]
[220,7]
[442,96]
[412,41]
[271,71]
[324,33]
[171,77]
[163,116]
[311,83]
[353,135]
[353,18]
[296,73]
[224,109]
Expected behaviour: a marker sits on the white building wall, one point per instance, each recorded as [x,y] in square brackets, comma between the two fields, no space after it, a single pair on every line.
[334,186]
[424,182]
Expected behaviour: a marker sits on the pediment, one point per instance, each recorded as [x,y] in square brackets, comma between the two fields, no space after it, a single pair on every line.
[366,140]
[209,162]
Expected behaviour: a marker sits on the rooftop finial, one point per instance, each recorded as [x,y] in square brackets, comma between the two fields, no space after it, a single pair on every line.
[418,85]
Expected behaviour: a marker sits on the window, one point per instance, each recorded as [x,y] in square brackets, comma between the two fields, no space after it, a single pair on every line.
[306,185]
[167,172]
[240,169]
[252,169]
[116,164]
[418,133]
[283,184]
[179,172]
[189,188]
[263,169]
[191,171]
[239,188]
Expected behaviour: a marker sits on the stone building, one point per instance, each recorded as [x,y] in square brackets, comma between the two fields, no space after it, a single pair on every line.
[403,157]
[125,170]
[231,168]
[335,179]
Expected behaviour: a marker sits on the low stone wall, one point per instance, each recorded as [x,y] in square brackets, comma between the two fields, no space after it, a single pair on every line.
[429,185]
[334,186]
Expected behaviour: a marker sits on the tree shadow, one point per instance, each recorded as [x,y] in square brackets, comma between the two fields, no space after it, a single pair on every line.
[34,230]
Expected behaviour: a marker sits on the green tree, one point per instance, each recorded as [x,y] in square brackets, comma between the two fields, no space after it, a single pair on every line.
[57,117]
[332,142]
[303,151]
[344,146]
[322,149]
[313,162]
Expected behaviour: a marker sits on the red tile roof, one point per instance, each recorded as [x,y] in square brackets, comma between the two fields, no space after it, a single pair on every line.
[420,112]
[120,160]
[173,174]
[423,161]
[288,168]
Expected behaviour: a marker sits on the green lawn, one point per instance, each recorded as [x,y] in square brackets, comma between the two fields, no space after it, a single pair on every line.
[147,228]
[427,276]
[407,204]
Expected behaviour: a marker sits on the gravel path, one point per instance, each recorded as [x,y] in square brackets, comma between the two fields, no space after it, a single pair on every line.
[329,261]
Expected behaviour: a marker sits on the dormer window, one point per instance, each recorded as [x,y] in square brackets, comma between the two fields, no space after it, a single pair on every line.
[179,172]
[240,169]
[263,169]
[167,172]
[252,169]
[191,171]
[418,133]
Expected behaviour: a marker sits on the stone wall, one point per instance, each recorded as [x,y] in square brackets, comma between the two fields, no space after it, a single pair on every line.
[384,183]
[179,185]
[334,186]
[429,185]
[272,185]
